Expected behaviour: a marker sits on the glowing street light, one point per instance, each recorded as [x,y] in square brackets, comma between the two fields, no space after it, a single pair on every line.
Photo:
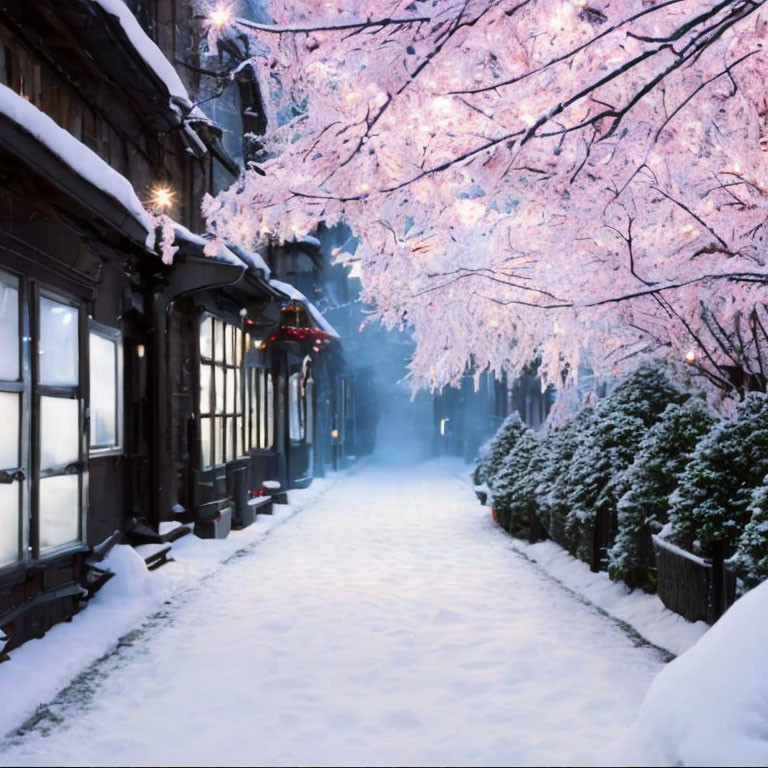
[161,198]
[220,16]
[690,357]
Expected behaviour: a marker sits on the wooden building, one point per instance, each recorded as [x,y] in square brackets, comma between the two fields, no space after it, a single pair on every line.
[135,395]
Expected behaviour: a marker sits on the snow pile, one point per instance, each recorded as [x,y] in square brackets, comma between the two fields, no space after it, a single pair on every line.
[644,612]
[710,706]
[75,154]
[40,668]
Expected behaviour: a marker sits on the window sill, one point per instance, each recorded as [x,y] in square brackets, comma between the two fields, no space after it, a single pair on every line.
[99,453]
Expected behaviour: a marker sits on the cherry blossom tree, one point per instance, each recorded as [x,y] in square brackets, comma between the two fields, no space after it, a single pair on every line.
[529,180]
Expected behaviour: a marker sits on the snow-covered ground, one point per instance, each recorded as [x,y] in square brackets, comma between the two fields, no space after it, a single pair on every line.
[391,622]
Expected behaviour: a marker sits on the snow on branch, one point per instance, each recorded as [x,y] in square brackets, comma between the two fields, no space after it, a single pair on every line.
[604,162]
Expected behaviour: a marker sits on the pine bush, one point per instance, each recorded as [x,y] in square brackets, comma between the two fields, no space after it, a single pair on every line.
[608,448]
[500,446]
[751,559]
[554,458]
[513,489]
[647,485]
[711,506]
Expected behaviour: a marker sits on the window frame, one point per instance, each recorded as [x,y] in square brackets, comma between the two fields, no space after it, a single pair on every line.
[18,387]
[226,444]
[115,336]
[76,392]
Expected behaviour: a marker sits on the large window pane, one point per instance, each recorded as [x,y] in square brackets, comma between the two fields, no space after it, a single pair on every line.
[103,391]
[9,523]
[238,393]
[263,443]
[230,390]
[206,338]
[9,328]
[59,432]
[205,442]
[219,438]
[294,419]
[59,510]
[206,371]
[231,441]
[9,433]
[229,338]
[254,412]
[309,404]
[270,411]
[219,390]
[219,340]
[238,346]
[58,343]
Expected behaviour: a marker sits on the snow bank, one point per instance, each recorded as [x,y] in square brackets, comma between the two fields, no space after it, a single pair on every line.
[296,295]
[149,52]
[710,706]
[75,154]
[643,612]
[40,668]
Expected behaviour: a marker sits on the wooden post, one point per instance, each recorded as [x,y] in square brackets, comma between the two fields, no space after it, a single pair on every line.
[718,579]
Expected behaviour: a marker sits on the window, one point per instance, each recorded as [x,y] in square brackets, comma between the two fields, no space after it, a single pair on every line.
[42,421]
[59,485]
[106,405]
[261,424]
[10,409]
[222,425]
[309,406]
[295,415]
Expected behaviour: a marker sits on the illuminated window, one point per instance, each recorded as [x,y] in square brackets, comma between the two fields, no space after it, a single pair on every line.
[222,423]
[59,451]
[106,403]
[10,409]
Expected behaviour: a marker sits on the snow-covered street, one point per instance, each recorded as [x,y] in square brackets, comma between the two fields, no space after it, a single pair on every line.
[390,622]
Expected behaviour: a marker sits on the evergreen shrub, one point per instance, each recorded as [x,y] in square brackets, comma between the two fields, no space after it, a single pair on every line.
[513,489]
[500,445]
[608,447]
[712,504]
[751,559]
[643,509]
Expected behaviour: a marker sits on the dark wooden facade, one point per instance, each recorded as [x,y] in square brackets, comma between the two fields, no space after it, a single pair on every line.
[132,393]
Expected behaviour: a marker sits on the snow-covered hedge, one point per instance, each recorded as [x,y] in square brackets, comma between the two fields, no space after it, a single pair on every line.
[607,448]
[645,457]
[552,484]
[644,507]
[751,559]
[711,505]
[512,493]
[501,444]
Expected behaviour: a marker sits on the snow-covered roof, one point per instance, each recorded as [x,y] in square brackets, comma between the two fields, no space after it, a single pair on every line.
[253,260]
[232,254]
[295,294]
[223,253]
[149,52]
[83,161]
[310,240]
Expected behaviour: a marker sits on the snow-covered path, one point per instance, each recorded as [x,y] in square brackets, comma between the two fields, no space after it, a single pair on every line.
[389,623]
